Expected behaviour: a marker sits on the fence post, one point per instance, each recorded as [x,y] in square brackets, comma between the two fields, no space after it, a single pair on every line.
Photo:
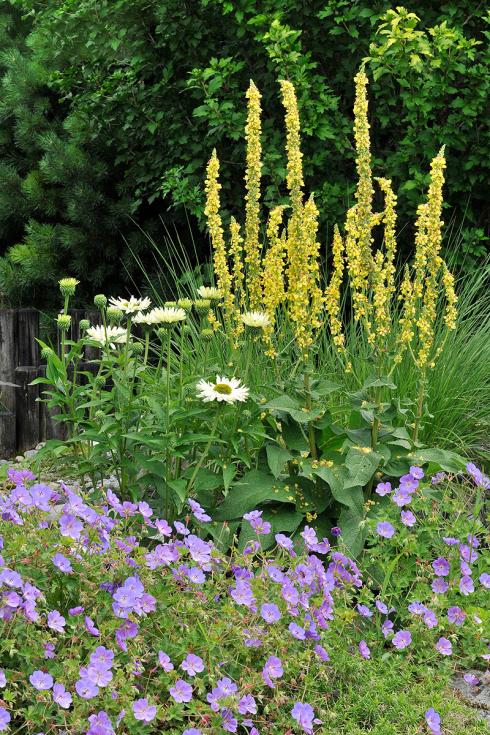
[27,348]
[27,408]
[8,444]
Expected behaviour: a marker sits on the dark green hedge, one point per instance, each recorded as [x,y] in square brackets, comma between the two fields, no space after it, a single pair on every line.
[110,108]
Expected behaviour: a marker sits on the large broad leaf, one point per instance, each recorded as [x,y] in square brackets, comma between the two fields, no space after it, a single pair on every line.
[361,465]
[353,530]
[251,491]
[277,458]
[286,404]
[443,458]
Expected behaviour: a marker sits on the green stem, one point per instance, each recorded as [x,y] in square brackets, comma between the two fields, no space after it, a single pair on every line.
[205,452]
[167,423]
[147,346]
[311,428]
[420,408]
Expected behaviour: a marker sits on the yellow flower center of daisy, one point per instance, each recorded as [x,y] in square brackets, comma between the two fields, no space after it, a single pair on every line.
[222,388]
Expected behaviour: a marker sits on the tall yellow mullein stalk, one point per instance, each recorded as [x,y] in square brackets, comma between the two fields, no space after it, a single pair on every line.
[431,278]
[236,255]
[333,305]
[359,222]
[253,174]
[431,269]
[215,226]
[273,274]
[384,267]
[305,298]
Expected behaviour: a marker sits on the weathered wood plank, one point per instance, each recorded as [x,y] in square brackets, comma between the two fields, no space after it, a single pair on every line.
[8,435]
[8,356]
[27,348]
[27,408]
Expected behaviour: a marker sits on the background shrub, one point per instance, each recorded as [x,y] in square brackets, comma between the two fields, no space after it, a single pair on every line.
[106,106]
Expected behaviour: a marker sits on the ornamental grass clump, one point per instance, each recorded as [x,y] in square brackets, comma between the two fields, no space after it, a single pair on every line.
[113,620]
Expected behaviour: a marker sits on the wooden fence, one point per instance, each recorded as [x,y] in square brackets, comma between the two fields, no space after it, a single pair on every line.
[24,420]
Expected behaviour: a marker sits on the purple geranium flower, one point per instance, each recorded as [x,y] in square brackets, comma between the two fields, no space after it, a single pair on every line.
[61,696]
[364,611]
[70,526]
[56,621]
[192,664]
[364,649]
[402,639]
[304,716]
[143,710]
[164,661]
[439,586]
[485,580]
[41,681]
[198,512]
[62,563]
[4,719]
[441,566]
[466,585]
[181,691]
[408,518]
[86,688]
[433,720]
[385,529]
[270,613]
[272,670]
[471,679]
[383,488]
[455,615]
[444,647]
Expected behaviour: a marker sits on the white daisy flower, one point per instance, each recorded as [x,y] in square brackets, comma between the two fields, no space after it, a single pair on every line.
[224,390]
[209,292]
[256,319]
[110,334]
[131,305]
[147,318]
[167,315]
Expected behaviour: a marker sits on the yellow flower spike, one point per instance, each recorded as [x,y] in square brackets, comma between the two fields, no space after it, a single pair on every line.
[253,174]
[215,226]
[314,291]
[451,312]
[384,265]
[332,292]
[273,274]
[364,191]
[431,241]
[295,181]
[236,254]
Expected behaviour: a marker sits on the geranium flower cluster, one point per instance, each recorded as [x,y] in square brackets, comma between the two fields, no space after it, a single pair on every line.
[441,584]
[114,619]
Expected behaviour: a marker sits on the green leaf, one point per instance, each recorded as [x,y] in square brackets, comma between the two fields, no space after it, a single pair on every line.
[253,489]
[277,458]
[361,466]
[285,404]
[353,531]
[229,472]
[444,458]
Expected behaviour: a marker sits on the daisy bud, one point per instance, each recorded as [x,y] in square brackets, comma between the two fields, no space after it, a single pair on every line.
[46,353]
[207,334]
[202,304]
[185,304]
[114,314]
[84,324]
[100,300]
[63,321]
[68,286]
